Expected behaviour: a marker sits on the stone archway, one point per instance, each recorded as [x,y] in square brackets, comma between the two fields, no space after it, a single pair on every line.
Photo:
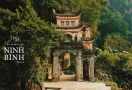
[57,67]
[65,60]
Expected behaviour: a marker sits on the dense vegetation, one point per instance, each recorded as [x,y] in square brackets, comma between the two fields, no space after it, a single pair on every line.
[116,35]
[111,21]
[38,38]
[121,66]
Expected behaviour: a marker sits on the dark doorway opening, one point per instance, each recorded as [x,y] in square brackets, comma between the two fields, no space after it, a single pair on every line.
[85,70]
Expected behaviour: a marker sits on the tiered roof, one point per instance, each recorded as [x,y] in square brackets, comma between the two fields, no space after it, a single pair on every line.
[87,41]
[67,16]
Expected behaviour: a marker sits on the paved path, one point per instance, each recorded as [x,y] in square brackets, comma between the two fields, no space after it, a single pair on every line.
[67,82]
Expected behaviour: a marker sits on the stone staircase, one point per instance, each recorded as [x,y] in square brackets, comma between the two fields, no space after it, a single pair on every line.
[67,82]
[73,85]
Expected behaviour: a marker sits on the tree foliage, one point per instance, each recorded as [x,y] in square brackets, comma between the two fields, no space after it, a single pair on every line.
[90,9]
[117,42]
[112,24]
[118,6]
[124,7]
[120,65]
[38,38]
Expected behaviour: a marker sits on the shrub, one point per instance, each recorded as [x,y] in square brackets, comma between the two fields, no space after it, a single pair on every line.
[113,85]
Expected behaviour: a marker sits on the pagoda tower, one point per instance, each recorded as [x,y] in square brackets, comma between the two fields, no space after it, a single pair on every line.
[77,38]
[75,31]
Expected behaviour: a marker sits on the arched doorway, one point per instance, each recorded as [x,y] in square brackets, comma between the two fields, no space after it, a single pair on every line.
[88,68]
[68,38]
[85,70]
[67,64]
[58,55]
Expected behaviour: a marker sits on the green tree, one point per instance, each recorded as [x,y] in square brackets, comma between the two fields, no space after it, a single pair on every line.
[113,25]
[117,42]
[38,38]
[118,6]
[120,65]
[128,19]
[123,7]
[110,23]
[90,9]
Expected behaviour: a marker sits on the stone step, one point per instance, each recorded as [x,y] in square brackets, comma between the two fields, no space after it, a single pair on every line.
[73,85]
[78,89]
[67,82]
[104,88]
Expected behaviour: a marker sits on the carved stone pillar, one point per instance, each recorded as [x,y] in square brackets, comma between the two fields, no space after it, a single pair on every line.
[49,73]
[79,36]
[91,69]
[56,68]
[79,67]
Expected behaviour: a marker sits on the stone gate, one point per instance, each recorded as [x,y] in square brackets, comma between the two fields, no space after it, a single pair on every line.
[84,64]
